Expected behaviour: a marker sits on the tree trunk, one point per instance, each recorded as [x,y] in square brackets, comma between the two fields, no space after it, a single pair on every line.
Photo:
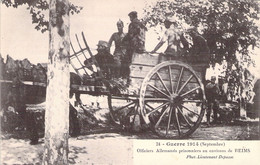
[57,96]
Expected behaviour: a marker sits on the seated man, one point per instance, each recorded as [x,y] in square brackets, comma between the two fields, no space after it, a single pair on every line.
[104,59]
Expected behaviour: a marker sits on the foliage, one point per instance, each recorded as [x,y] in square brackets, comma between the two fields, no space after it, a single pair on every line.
[229,27]
[38,10]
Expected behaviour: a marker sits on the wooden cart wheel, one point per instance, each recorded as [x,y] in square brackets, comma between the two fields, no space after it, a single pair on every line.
[123,110]
[172,99]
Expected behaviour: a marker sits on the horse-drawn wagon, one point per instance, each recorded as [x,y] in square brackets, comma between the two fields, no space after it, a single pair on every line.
[166,93]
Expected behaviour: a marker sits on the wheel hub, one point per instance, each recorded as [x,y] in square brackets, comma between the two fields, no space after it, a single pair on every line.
[175,99]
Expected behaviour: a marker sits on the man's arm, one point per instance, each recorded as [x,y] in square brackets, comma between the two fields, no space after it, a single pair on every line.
[158,46]
[163,40]
[127,36]
[112,38]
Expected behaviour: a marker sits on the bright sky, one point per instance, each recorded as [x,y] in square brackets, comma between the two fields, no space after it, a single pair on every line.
[97,20]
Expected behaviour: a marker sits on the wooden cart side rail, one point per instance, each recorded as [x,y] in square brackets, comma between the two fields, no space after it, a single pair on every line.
[87,88]
[74,87]
[141,65]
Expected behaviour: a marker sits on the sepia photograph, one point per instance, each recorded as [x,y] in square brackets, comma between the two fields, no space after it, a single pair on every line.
[130,82]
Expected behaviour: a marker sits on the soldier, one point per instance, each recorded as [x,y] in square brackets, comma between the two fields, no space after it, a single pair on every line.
[120,47]
[174,36]
[256,100]
[199,44]
[104,59]
[212,93]
[136,33]
[135,39]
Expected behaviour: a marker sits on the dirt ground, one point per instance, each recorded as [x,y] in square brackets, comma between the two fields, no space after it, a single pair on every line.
[114,148]
[106,144]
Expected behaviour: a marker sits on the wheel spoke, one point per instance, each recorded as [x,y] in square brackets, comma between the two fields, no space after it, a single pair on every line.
[179,79]
[163,83]
[158,90]
[135,108]
[135,113]
[128,113]
[189,110]
[149,106]
[160,119]
[177,121]
[118,109]
[190,91]
[184,117]
[155,109]
[169,121]
[170,76]
[186,82]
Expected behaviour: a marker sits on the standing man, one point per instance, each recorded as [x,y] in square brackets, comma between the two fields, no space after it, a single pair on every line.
[120,47]
[212,93]
[199,44]
[177,44]
[136,34]
[136,41]
[256,100]
[199,51]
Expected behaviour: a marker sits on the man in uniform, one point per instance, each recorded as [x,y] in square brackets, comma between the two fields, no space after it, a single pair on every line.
[256,100]
[104,59]
[212,93]
[199,44]
[120,47]
[135,39]
[136,34]
[199,51]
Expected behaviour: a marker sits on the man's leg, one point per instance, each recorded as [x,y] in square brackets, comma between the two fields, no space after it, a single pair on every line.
[32,127]
[209,109]
[74,122]
[27,117]
[215,112]
[117,66]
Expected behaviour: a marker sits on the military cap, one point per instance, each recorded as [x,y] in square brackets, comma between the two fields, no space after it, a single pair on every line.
[133,13]
[102,43]
[119,22]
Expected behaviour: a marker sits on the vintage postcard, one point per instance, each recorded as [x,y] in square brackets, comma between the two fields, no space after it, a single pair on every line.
[151,82]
